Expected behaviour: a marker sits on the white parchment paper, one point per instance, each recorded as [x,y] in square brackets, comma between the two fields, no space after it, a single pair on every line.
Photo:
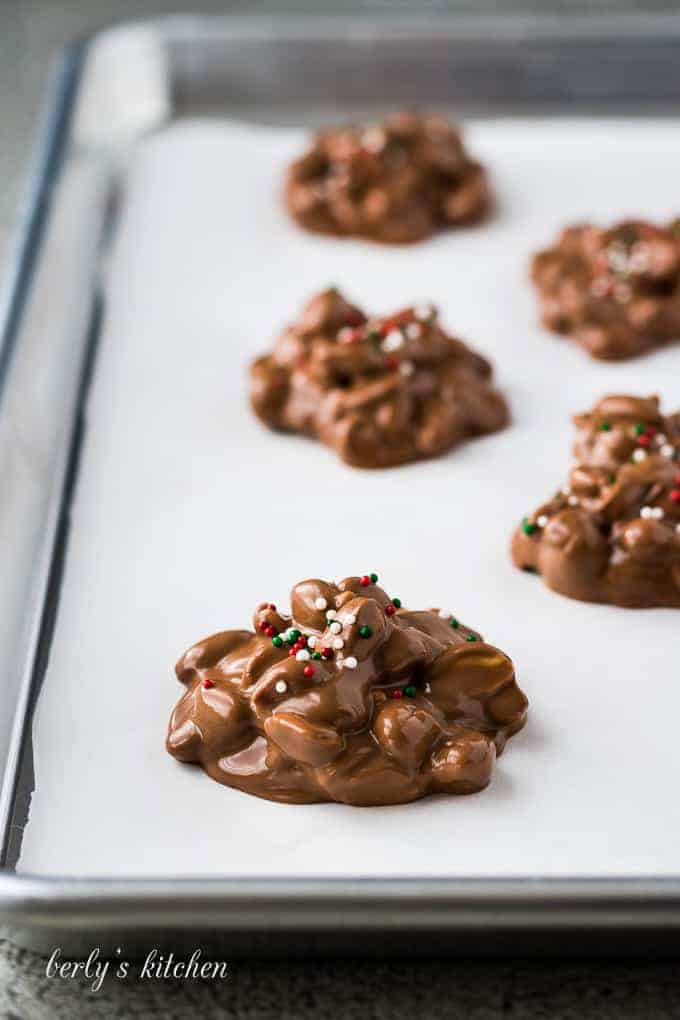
[188,512]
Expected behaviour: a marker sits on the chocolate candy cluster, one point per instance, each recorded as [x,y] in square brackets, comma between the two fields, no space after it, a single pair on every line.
[351,698]
[379,391]
[616,291]
[613,535]
[395,181]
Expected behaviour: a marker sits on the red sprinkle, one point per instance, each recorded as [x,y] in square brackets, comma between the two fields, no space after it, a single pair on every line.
[270,631]
[392,363]
[262,625]
[390,610]
[272,607]
[208,683]
[327,652]
[397,694]
[354,317]
[364,581]
[644,440]
[293,651]
[308,671]
[675,495]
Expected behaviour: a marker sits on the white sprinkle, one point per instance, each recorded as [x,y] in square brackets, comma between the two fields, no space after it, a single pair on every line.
[444,615]
[350,662]
[428,688]
[600,287]
[639,258]
[302,655]
[374,139]
[647,512]
[311,641]
[331,614]
[350,619]
[573,501]
[393,341]
[281,687]
[335,627]
[320,603]
[617,258]
[660,439]
[542,521]
[407,368]
[338,643]
[667,451]
[414,331]
[345,335]
[423,312]
[640,455]
[658,513]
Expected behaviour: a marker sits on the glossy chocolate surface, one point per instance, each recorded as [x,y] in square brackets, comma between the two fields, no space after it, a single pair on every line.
[613,534]
[379,391]
[397,181]
[352,698]
[616,291]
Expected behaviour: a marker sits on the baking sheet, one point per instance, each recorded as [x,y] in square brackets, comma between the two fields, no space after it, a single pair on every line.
[188,513]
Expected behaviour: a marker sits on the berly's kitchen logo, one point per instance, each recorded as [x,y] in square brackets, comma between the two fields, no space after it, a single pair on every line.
[155,966]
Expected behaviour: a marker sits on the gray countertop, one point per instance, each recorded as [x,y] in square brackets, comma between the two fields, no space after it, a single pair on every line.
[357,990]
[31,32]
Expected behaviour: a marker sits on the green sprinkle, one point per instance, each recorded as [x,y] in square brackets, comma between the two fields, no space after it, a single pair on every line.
[527,528]
[410,692]
[373,577]
[293,634]
[396,603]
[640,429]
[277,641]
[365,631]
[471,637]
[453,622]
[606,426]
[317,655]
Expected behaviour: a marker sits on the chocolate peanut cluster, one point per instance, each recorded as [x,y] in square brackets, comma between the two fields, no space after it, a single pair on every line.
[379,391]
[396,181]
[613,535]
[616,291]
[351,698]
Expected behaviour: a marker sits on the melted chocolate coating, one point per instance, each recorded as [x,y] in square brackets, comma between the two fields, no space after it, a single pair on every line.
[380,392]
[614,534]
[615,291]
[394,182]
[357,701]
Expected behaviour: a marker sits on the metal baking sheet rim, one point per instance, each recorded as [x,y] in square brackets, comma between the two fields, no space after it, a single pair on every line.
[54,904]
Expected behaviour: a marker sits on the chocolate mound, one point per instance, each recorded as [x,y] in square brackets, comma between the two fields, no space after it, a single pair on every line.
[380,392]
[394,182]
[351,699]
[615,291]
[614,534]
